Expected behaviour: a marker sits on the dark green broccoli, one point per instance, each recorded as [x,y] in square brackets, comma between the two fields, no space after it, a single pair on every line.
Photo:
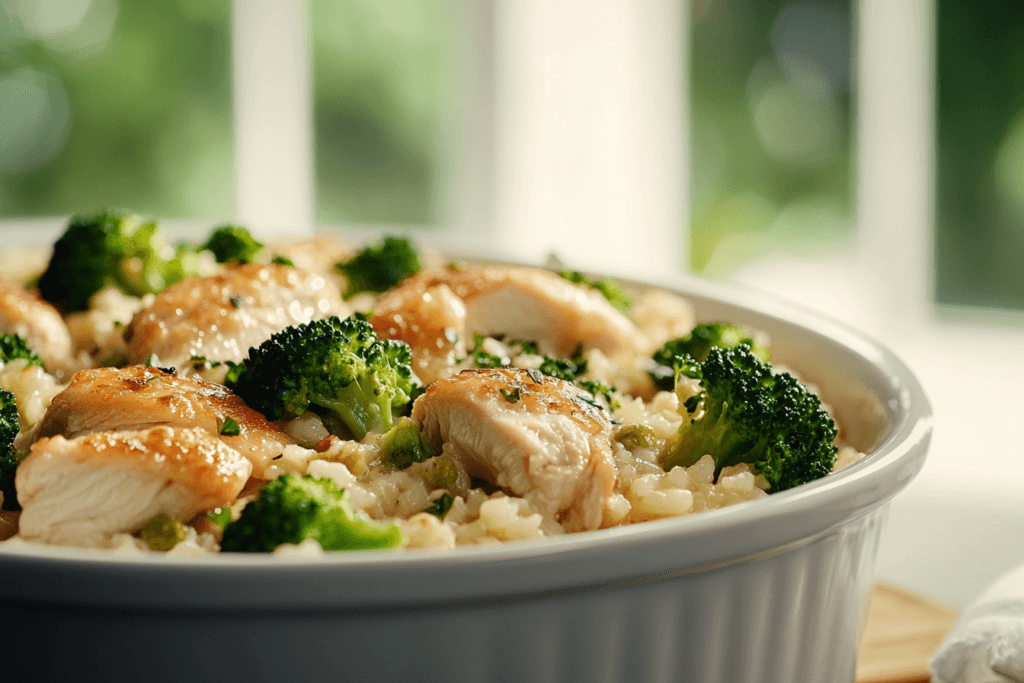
[13,347]
[109,248]
[697,344]
[482,359]
[291,509]
[337,368]
[440,507]
[381,266]
[9,459]
[755,416]
[609,288]
[233,243]
[402,445]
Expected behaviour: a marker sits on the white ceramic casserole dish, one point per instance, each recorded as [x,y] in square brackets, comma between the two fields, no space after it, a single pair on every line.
[771,590]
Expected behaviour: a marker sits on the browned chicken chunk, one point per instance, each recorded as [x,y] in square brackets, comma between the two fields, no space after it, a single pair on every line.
[23,313]
[527,433]
[222,316]
[523,303]
[80,491]
[138,397]
[432,321]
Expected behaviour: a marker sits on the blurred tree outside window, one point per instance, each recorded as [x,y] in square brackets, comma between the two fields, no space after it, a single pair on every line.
[980,224]
[771,143]
[382,74]
[107,102]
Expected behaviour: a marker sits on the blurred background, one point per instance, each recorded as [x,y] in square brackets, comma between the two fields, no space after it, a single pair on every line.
[863,158]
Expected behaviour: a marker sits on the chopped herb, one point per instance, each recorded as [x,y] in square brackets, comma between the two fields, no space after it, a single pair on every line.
[150,360]
[692,403]
[562,368]
[282,261]
[230,427]
[482,359]
[511,396]
[202,362]
[236,301]
[234,372]
[278,456]
[610,289]
[441,506]
[527,347]
[219,516]
[579,359]
[151,378]
[597,388]
[536,375]
[451,335]
[457,266]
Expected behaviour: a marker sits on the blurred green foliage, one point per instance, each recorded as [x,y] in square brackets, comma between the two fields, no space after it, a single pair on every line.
[771,133]
[115,103]
[382,75]
[980,216]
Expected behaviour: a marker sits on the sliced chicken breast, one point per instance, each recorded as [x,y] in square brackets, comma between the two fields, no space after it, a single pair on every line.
[319,253]
[532,435]
[80,491]
[523,303]
[222,316]
[138,397]
[37,322]
[431,320]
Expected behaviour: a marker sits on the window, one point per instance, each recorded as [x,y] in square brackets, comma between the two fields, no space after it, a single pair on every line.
[980,226]
[771,131]
[382,81]
[115,103]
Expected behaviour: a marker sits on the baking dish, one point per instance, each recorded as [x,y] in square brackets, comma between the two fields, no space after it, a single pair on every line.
[771,590]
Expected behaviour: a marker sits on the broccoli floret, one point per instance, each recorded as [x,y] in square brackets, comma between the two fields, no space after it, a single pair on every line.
[9,459]
[752,415]
[291,509]
[610,289]
[13,347]
[110,248]
[233,243]
[337,368]
[697,343]
[402,445]
[381,266]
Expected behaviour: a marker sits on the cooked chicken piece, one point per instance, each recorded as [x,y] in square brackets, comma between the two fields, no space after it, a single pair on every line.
[431,320]
[523,303]
[318,254]
[220,317]
[527,433]
[138,397]
[23,313]
[80,491]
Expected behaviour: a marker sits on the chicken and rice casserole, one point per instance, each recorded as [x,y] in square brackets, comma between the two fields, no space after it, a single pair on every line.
[310,395]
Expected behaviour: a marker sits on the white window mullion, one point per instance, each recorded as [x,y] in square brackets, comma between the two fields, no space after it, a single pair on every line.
[273,114]
[590,131]
[895,102]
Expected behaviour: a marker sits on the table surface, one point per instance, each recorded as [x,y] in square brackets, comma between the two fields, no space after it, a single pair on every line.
[903,631]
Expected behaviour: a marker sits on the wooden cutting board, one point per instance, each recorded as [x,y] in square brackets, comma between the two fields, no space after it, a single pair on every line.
[903,631]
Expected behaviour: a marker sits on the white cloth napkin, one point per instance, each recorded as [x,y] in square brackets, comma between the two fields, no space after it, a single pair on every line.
[987,643]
